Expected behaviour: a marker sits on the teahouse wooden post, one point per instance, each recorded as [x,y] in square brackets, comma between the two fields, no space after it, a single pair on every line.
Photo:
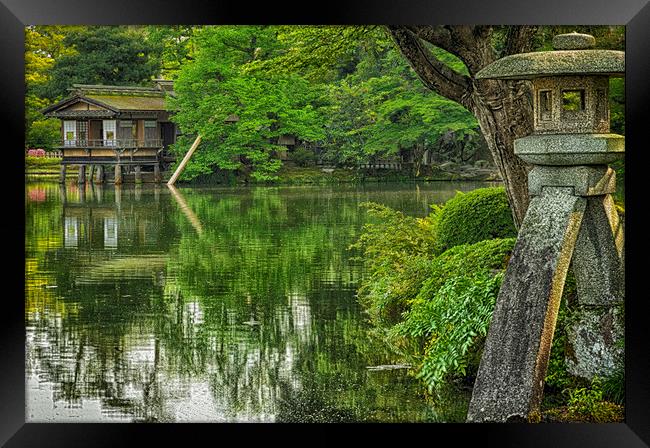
[118,174]
[82,174]
[156,172]
[100,174]
[63,173]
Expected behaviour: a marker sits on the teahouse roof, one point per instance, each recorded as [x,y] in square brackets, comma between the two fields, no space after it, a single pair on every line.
[113,99]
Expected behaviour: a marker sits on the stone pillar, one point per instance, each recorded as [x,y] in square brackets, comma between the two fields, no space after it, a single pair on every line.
[138,174]
[63,173]
[597,324]
[82,174]
[118,174]
[527,307]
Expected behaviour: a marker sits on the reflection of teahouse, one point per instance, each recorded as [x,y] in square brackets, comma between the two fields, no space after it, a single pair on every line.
[115,125]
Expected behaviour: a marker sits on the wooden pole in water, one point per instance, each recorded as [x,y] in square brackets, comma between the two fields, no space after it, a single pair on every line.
[186,159]
[138,175]
[100,174]
[62,177]
[118,174]
[82,174]
[156,172]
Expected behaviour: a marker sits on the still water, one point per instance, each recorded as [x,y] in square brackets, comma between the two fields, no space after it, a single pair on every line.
[145,304]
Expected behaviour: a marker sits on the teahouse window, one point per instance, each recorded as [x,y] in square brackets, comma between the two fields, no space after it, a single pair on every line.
[109,132]
[150,123]
[82,130]
[69,133]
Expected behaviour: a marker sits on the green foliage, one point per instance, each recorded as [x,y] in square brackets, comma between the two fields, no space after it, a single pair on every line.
[588,404]
[44,134]
[214,86]
[614,386]
[40,162]
[466,259]
[390,235]
[557,377]
[111,55]
[478,215]
[437,308]
[454,323]
[451,313]
[396,252]
[303,157]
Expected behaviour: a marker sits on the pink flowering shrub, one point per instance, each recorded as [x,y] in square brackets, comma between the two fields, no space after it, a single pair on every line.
[36,153]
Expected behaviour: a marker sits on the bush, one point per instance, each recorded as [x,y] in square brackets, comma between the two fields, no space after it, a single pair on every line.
[397,255]
[36,153]
[452,312]
[44,134]
[386,294]
[302,157]
[471,217]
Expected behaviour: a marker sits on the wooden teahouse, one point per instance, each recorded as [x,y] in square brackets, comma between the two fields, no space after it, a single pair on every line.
[120,126]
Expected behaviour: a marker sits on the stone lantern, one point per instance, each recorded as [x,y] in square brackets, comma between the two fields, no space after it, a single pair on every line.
[571,219]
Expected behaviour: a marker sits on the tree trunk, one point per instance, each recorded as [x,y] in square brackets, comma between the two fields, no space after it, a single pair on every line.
[503,109]
[501,124]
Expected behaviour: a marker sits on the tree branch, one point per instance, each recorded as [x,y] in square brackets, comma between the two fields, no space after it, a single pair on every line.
[435,74]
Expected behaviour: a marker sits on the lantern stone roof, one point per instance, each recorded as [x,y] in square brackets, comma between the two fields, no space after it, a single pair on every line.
[572,57]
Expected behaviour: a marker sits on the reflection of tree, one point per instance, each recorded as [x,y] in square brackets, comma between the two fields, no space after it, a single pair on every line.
[252,318]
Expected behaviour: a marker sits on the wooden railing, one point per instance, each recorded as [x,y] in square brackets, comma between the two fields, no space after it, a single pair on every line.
[114,143]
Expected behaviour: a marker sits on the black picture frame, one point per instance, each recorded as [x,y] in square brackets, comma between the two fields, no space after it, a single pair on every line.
[15,14]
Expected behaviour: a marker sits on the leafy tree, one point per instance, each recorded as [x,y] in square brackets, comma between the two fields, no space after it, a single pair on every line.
[214,87]
[176,43]
[111,55]
[43,45]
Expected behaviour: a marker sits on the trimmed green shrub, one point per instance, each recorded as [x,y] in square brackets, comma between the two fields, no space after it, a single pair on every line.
[471,217]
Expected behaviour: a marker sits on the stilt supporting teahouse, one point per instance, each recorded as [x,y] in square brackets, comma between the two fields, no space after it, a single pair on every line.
[118,174]
[99,179]
[82,174]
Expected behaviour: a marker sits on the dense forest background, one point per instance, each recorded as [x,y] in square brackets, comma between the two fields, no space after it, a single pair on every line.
[345,93]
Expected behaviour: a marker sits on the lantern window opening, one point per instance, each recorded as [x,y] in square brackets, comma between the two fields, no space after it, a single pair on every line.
[545,101]
[573,100]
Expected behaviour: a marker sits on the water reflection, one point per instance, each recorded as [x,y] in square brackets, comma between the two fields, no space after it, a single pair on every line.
[231,304]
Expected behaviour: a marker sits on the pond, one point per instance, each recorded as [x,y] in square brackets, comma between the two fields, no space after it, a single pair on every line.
[147,304]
